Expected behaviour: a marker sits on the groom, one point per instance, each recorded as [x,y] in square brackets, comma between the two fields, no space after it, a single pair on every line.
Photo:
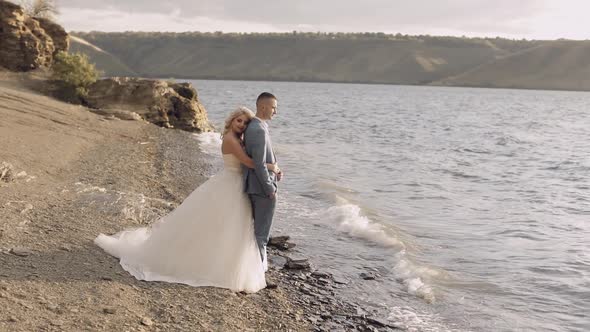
[260,184]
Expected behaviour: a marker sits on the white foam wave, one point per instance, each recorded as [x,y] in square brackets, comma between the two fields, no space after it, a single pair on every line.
[349,220]
[407,319]
[210,143]
[412,276]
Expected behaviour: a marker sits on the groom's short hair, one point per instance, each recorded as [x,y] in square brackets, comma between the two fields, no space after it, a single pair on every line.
[265,95]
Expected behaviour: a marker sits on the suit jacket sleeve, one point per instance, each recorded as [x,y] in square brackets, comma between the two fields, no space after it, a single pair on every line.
[258,144]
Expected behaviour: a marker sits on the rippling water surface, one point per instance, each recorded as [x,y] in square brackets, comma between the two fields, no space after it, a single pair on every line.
[472,206]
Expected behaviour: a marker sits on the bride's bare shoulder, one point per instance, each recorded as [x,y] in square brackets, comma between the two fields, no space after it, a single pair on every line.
[230,142]
[230,139]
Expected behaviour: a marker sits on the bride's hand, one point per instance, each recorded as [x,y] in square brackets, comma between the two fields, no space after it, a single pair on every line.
[273,168]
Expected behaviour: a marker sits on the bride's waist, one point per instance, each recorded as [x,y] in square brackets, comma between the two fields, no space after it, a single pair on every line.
[232,169]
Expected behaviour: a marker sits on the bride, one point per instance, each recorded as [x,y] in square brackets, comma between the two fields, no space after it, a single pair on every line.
[208,240]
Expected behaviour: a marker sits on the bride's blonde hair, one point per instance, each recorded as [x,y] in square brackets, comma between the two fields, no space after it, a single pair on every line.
[242,110]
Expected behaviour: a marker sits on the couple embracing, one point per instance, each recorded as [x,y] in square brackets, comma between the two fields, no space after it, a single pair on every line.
[218,235]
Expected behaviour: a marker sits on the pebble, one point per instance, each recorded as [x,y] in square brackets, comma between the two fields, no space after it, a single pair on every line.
[21,252]
[110,311]
[368,276]
[28,207]
[146,321]
[341,281]
[319,274]
[377,322]
[65,247]
[281,242]
[298,263]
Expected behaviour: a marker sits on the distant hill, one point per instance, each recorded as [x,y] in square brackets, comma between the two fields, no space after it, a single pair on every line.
[342,57]
[560,65]
[110,65]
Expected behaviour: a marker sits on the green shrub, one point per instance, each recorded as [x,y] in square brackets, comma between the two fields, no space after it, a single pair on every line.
[74,72]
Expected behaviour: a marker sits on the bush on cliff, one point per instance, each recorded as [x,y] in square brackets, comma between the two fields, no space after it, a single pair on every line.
[40,8]
[73,74]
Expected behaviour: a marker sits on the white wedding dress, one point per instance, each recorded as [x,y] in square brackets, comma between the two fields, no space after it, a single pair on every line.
[206,241]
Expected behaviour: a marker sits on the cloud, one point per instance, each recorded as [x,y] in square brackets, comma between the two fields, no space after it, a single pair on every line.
[111,20]
[524,18]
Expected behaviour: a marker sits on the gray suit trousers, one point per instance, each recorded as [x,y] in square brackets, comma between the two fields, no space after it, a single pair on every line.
[263,209]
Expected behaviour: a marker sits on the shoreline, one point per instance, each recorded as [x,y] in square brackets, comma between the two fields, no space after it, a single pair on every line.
[425,85]
[72,174]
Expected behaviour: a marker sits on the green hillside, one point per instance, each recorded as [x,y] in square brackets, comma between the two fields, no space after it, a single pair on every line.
[561,65]
[110,65]
[371,58]
[342,57]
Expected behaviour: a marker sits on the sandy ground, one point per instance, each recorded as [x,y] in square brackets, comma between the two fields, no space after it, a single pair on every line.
[74,174]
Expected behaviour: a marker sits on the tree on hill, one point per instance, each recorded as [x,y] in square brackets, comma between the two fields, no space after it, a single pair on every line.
[40,8]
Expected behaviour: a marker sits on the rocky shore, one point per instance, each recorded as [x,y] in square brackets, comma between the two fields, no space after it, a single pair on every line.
[67,174]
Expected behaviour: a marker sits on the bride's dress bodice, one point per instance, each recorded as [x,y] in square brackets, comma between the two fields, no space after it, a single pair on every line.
[231,163]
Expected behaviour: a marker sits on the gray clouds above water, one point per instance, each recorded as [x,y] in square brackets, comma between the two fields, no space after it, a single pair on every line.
[532,18]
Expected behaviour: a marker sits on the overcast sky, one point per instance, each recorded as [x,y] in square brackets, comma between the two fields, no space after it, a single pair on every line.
[530,19]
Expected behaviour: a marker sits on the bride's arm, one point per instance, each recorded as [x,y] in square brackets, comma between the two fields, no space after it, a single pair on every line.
[234,147]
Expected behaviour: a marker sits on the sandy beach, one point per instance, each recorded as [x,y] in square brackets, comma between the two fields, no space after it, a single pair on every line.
[75,174]
[69,174]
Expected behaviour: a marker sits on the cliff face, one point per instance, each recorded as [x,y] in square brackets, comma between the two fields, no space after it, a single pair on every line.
[28,43]
[159,102]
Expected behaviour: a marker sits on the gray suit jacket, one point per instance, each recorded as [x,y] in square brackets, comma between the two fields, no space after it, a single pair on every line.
[259,147]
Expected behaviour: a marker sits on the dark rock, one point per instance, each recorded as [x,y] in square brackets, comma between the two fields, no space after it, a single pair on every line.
[286,246]
[377,322]
[298,263]
[274,240]
[271,285]
[368,275]
[307,291]
[319,274]
[326,315]
[186,90]
[277,261]
[110,311]
[301,277]
[368,328]
[281,242]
